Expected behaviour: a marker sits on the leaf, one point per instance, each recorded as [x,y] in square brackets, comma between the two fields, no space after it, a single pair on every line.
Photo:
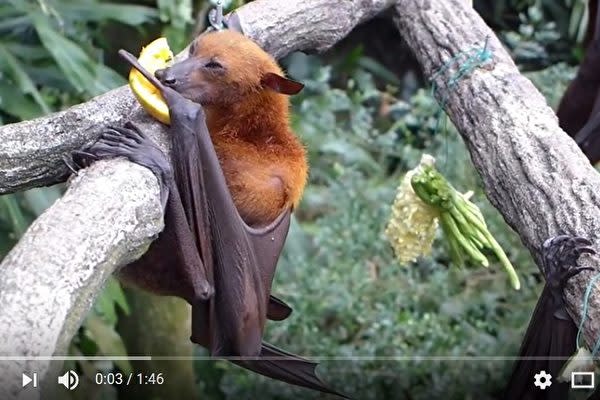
[178,15]
[118,295]
[27,52]
[350,153]
[378,69]
[111,296]
[127,14]
[18,220]
[83,73]
[12,23]
[178,12]
[108,341]
[50,76]
[17,104]
[6,241]
[39,199]
[15,69]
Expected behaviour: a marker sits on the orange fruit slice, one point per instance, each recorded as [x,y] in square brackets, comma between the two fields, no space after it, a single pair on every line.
[156,55]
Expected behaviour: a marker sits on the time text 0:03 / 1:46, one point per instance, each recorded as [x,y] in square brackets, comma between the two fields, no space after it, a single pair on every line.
[119,378]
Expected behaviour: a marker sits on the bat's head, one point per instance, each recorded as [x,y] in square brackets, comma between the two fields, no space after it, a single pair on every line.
[225,67]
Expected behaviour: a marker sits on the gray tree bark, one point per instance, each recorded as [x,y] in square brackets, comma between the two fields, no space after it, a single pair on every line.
[111,212]
[533,172]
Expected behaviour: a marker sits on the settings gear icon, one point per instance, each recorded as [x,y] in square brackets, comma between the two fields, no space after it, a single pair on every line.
[542,380]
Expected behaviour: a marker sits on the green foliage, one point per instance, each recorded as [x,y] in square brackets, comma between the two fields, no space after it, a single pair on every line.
[17,212]
[177,16]
[539,32]
[49,50]
[553,82]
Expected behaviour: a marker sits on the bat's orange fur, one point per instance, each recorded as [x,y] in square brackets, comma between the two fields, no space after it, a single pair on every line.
[264,162]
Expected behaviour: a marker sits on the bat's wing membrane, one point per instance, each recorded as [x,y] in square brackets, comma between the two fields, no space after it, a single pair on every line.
[277,309]
[287,367]
[588,137]
[546,345]
[268,243]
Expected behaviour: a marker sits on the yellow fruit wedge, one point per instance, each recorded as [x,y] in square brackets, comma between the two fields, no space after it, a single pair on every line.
[156,55]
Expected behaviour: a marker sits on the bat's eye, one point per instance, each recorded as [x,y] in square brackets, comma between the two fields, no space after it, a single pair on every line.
[212,64]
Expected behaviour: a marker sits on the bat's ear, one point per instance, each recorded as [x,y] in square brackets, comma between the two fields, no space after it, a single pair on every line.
[281,84]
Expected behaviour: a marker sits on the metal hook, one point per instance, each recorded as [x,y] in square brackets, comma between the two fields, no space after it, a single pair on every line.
[216,16]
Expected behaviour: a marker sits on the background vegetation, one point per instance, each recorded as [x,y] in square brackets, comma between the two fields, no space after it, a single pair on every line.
[365,120]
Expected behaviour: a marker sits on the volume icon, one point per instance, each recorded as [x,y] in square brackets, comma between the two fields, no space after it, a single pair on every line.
[70,380]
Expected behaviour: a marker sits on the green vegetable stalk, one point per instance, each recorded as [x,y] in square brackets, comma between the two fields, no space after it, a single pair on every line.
[461,220]
[425,199]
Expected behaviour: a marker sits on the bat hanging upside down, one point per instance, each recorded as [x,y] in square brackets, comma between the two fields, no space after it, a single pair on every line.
[237,172]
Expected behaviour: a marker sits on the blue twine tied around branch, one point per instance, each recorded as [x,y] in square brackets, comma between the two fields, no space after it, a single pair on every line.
[584,310]
[468,61]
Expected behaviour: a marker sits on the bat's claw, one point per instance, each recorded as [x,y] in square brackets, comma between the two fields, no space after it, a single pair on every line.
[560,258]
[78,160]
[560,255]
[129,142]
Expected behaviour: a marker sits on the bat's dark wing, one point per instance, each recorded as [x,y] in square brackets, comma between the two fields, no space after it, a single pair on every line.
[277,310]
[287,367]
[240,260]
[546,337]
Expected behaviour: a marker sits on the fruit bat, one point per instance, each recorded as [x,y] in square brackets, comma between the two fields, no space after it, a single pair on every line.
[207,254]
[550,338]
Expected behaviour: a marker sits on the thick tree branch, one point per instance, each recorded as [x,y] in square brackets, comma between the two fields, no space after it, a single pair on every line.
[532,171]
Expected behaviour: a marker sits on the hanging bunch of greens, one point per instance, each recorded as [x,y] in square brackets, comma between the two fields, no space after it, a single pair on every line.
[425,198]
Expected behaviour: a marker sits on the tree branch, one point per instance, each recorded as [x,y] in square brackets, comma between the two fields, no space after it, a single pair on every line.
[532,171]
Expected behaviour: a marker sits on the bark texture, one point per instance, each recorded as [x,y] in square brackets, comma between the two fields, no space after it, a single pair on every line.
[533,172]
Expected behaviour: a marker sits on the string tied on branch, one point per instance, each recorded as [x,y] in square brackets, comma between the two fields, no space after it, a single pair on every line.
[584,310]
[582,360]
[466,61]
